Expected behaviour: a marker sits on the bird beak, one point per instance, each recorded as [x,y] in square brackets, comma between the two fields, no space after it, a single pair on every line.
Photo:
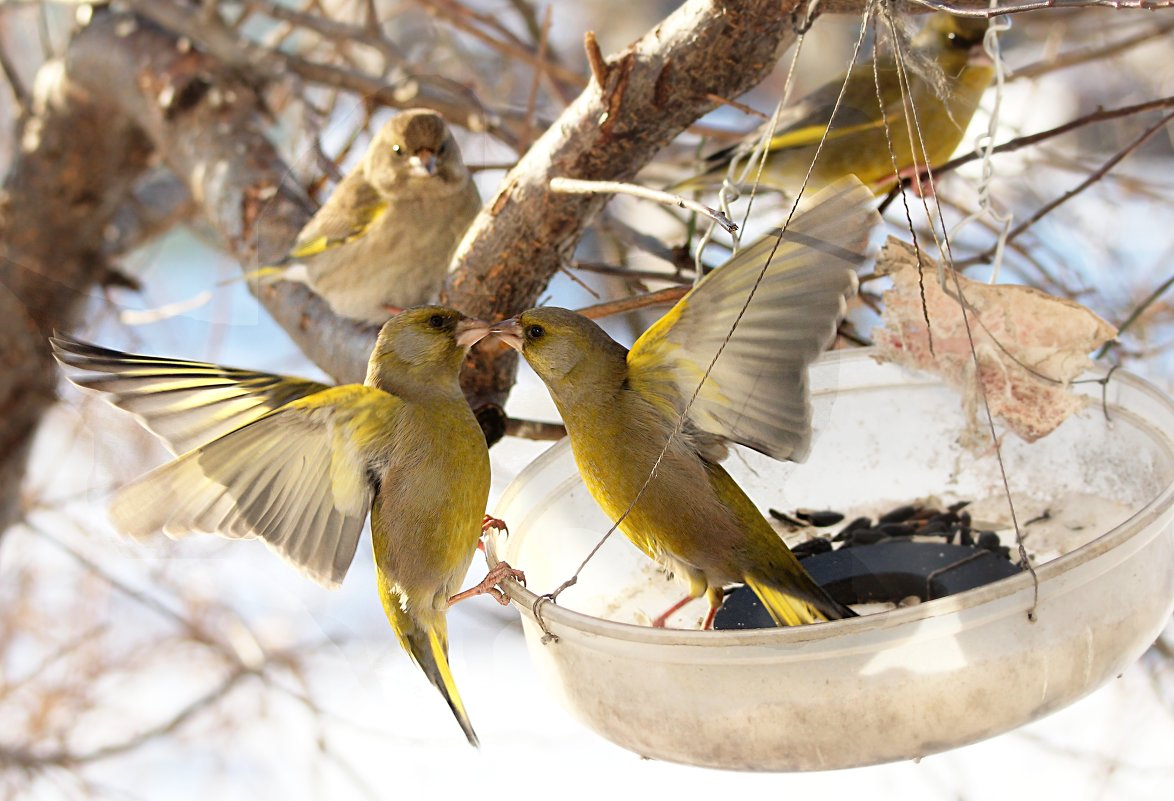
[509,332]
[423,164]
[977,57]
[470,331]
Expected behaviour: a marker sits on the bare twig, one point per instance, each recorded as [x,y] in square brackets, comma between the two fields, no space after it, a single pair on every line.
[532,97]
[964,10]
[1093,178]
[595,58]
[662,297]
[460,17]
[1085,55]
[742,107]
[534,429]
[576,186]
[455,102]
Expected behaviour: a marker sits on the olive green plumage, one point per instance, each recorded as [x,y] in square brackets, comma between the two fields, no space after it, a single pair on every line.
[299,465]
[620,406]
[944,80]
[386,234]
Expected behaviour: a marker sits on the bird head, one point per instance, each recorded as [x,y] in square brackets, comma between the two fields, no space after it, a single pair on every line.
[569,352]
[423,346]
[415,149]
[955,41]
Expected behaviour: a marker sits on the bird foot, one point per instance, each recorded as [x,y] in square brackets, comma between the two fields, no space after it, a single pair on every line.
[492,522]
[488,585]
[918,181]
[662,619]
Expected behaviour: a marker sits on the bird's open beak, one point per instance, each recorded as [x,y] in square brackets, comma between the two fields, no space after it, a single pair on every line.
[509,332]
[423,164]
[470,331]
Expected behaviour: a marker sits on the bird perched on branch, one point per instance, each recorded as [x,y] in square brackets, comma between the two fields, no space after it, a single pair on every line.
[937,83]
[648,443]
[385,236]
[299,464]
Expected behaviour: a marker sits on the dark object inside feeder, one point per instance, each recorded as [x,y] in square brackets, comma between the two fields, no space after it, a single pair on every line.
[887,571]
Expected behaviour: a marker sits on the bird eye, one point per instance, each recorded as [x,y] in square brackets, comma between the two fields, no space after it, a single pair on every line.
[396,149]
[436,321]
[535,331]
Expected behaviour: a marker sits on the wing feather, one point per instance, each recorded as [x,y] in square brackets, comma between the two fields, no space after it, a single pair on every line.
[185,404]
[756,393]
[349,213]
[277,479]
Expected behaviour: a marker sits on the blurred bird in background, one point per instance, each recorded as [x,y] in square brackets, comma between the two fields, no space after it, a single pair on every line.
[926,100]
[648,443]
[299,464]
[384,238]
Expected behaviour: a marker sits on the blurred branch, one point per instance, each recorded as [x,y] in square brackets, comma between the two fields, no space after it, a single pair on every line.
[20,93]
[1100,115]
[984,10]
[1093,178]
[534,429]
[157,204]
[455,102]
[1083,56]
[463,18]
[76,165]
[24,759]
[662,297]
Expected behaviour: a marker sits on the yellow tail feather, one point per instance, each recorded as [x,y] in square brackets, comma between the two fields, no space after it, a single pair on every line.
[791,610]
[429,650]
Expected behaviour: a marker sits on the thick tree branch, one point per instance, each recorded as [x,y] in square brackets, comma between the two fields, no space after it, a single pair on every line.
[75,165]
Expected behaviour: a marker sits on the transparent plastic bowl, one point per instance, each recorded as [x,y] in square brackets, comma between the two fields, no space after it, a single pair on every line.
[895,685]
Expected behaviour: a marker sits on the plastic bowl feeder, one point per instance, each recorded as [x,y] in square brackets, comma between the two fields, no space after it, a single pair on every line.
[895,685]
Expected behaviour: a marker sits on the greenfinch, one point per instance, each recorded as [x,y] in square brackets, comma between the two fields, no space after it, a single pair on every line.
[946,73]
[384,237]
[621,407]
[299,465]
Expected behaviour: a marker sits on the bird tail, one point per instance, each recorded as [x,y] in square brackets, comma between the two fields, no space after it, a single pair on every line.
[428,647]
[790,608]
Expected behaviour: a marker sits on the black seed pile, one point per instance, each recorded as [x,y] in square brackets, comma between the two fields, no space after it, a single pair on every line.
[952,525]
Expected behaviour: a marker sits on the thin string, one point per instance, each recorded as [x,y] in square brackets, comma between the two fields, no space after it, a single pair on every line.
[990,44]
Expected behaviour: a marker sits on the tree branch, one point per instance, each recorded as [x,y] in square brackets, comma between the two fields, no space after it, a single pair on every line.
[75,166]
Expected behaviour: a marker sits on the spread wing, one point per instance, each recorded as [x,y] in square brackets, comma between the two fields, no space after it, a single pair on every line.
[756,393]
[186,404]
[349,213]
[296,478]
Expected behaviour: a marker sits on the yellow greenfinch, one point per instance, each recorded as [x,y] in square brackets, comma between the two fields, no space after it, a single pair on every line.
[299,465]
[620,406]
[946,73]
[385,236]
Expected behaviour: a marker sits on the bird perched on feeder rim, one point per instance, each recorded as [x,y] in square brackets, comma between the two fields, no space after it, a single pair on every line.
[299,465]
[927,98]
[384,238]
[648,441]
